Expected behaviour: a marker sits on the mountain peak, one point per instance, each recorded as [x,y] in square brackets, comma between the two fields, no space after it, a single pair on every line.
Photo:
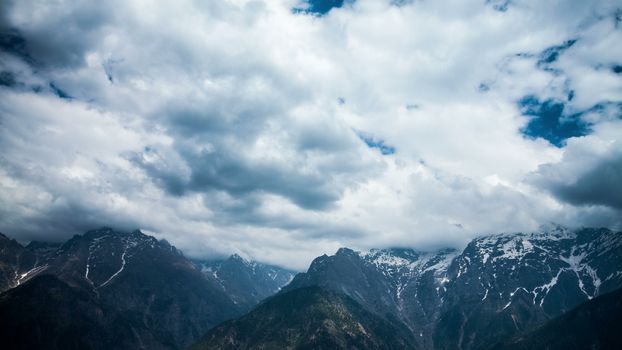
[247,282]
[237,257]
[4,238]
[345,251]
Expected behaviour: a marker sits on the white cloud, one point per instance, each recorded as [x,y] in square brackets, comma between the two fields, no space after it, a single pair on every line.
[218,125]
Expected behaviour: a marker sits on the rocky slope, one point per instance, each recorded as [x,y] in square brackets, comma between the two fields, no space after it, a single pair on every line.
[245,282]
[18,263]
[308,318]
[502,285]
[595,324]
[106,278]
[497,287]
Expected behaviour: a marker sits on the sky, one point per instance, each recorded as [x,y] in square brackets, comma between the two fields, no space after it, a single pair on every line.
[284,129]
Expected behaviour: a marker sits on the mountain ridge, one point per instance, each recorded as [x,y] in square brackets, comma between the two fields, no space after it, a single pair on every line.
[129,278]
[146,293]
[498,286]
[595,324]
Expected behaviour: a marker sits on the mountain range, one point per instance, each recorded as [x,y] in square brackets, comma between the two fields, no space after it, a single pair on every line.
[499,287]
[109,289]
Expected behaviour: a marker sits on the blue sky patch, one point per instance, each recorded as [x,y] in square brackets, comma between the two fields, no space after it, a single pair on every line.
[551,54]
[60,92]
[379,144]
[547,121]
[499,5]
[320,7]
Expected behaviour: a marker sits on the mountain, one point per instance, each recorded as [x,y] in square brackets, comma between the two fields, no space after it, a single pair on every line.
[246,282]
[595,324]
[18,263]
[308,318]
[109,289]
[395,283]
[48,313]
[10,251]
[504,284]
[112,286]
[497,287]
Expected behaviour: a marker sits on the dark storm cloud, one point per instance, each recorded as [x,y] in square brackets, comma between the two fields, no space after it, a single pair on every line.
[215,137]
[61,35]
[61,213]
[209,117]
[7,79]
[248,211]
[230,171]
[12,42]
[63,217]
[601,185]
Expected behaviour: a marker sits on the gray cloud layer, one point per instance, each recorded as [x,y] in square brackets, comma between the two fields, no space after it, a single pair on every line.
[600,186]
[235,126]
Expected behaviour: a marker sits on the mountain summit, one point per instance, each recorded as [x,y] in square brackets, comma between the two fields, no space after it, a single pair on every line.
[499,286]
[111,289]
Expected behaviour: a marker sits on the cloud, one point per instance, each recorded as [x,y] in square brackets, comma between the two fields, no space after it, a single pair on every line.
[246,126]
[596,187]
[551,54]
[588,174]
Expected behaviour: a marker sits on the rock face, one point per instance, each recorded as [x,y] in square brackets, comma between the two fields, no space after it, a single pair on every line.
[128,288]
[47,313]
[595,324]
[394,283]
[308,318]
[498,287]
[107,289]
[506,284]
[245,282]
[18,263]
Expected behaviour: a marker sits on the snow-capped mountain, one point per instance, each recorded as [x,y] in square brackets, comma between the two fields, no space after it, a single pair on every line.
[110,289]
[18,263]
[498,286]
[508,283]
[246,282]
[130,288]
